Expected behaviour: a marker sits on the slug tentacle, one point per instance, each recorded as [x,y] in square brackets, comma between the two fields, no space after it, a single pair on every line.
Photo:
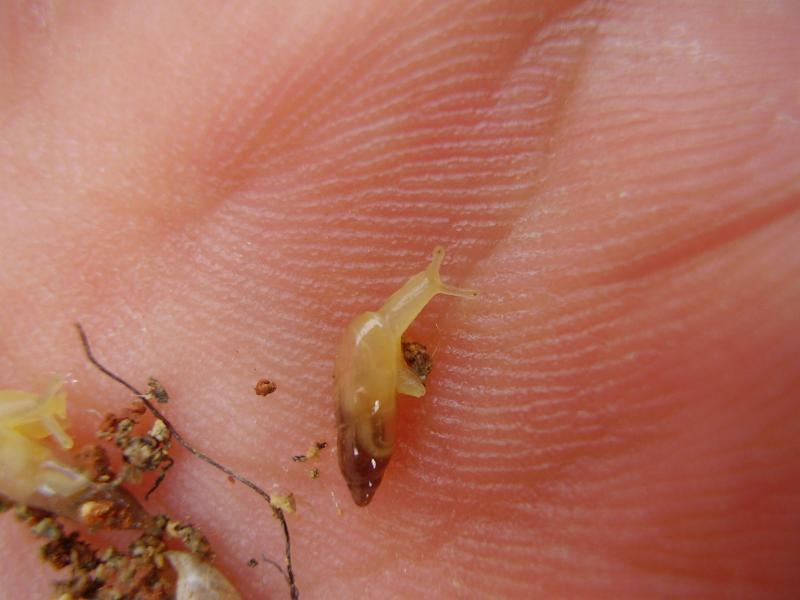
[34,474]
[36,415]
[370,371]
[405,304]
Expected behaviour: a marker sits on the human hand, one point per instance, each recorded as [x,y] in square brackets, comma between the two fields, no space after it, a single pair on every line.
[213,193]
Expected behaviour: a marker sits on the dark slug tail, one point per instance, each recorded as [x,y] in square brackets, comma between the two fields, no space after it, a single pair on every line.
[362,471]
[363,475]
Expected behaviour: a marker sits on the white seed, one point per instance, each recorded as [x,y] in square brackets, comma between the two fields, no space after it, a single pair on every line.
[198,580]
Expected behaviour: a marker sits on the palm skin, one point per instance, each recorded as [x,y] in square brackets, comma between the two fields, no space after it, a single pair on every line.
[215,192]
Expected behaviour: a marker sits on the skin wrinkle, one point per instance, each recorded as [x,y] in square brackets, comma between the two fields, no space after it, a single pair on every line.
[506,217]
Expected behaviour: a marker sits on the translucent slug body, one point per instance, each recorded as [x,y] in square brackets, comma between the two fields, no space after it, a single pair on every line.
[31,473]
[369,373]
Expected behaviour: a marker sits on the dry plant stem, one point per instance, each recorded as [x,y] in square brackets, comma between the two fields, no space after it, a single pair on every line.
[277,512]
[160,477]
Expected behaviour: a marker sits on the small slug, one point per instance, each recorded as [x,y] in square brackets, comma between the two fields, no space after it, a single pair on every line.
[370,371]
[30,472]
[34,474]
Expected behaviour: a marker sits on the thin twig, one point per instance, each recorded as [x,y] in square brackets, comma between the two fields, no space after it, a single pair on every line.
[170,461]
[274,563]
[277,512]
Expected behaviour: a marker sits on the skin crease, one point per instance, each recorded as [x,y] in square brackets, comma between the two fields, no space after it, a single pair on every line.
[215,193]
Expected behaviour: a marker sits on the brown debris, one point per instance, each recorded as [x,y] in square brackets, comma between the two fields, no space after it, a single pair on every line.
[265,387]
[156,391]
[95,513]
[110,575]
[107,505]
[66,550]
[111,506]
[312,452]
[141,453]
[95,464]
[287,570]
[126,576]
[192,539]
[284,502]
[417,357]
[140,573]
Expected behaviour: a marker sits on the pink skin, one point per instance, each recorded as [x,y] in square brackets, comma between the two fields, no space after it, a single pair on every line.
[215,194]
